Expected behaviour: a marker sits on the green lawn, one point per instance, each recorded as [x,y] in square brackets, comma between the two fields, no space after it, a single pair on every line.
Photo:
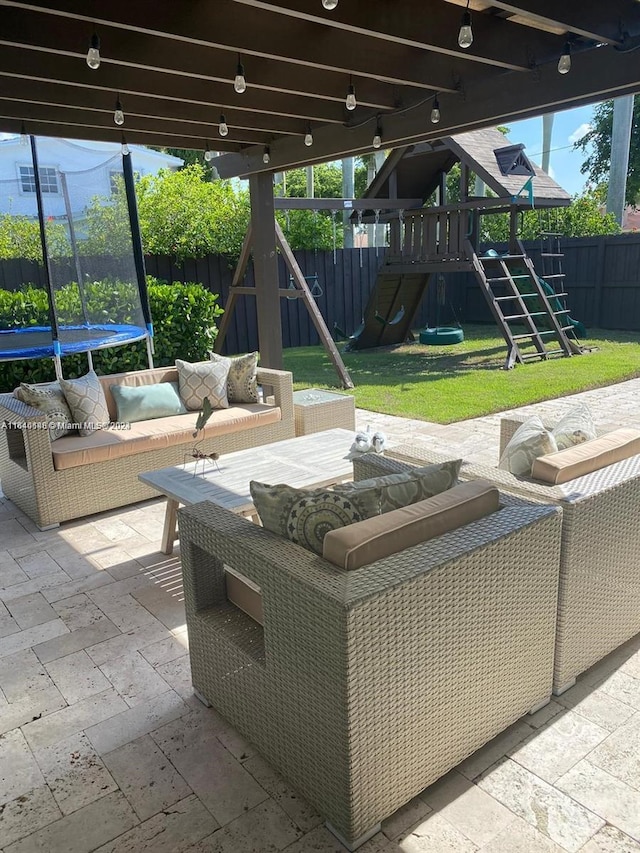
[446,384]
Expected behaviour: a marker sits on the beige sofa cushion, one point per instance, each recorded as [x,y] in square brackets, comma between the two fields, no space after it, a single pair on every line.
[565,465]
[108,444]
[246,595]
[136,379]
[376,538]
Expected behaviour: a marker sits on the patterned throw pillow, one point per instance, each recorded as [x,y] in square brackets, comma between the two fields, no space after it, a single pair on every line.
[574,428]
[409,487]
[50,400]
[529,441]
[85,398]
[242,382]
[200,380]
[305,515]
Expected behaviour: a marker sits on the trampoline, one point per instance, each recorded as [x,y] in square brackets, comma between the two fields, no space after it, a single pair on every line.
[90,290]
[37,341]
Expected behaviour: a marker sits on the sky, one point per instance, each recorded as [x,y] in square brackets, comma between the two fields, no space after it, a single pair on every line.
[565,162]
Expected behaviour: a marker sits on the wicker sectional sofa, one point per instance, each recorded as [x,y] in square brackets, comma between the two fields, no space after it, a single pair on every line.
[76,476]
[363,687]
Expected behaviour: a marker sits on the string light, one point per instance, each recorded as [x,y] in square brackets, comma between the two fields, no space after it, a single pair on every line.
[377,139]
[223,128]
[240,82]
[125,148]
[330,5]
[118,115]
[435,111]
[93,54]
[350,101]
[266,155]
[24,139]
[465,36]
[308,137]
[564,63]
[208,153]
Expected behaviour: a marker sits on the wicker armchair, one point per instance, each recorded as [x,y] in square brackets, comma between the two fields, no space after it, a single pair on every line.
[599,595]
[364,687]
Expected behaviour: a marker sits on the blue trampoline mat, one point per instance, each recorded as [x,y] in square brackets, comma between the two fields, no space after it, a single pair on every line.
[37,341]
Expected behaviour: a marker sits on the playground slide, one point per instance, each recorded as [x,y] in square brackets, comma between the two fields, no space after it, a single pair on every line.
[390,311]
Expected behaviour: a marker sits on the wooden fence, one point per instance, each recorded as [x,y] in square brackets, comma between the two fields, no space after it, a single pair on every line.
[602,279]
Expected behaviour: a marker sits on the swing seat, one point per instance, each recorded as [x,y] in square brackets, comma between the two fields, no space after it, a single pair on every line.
[441,336]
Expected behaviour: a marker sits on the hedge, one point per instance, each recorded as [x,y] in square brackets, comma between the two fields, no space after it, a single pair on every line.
[184,321]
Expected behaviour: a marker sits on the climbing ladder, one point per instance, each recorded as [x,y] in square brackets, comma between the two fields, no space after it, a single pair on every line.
[532,324]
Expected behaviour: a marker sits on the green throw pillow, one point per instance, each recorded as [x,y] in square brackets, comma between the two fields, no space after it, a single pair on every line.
[146,402]
[305,516]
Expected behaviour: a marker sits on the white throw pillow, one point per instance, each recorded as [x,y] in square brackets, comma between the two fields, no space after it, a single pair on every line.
[85,397]
[575,427]
[528,442]
[203,379]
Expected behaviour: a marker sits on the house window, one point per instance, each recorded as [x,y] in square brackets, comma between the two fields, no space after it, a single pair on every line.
[48,179]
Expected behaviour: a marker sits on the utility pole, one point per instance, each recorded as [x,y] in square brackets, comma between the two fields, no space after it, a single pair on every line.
[620,140]
[347,192]
[547,131]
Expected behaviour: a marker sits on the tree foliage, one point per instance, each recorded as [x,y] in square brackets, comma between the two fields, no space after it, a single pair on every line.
[20,238]
[597,163]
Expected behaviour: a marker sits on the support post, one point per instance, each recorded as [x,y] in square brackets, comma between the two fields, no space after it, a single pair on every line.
[265,265]
[620,139]
[230,304]
[347,192]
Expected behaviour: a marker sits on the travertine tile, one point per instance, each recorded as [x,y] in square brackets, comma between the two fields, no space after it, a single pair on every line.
[146,777]
[74,587]
[129,643]
[77,677]
[165,650]
[116,589]
[619,754]
[78,611]
[166,604]
[435,833]
[19,772]
[89,637]
[605,795]
[544,807]
[31,637]
[404,818]
[74,718]
[21,675]
[130,568]
[83,831]
[222,784]
[611,840]
[477,763]
[38,704]
[564,741]
[319,840]
[13,534]
[8,624]
[134,678]
[299,810]
[75,565]
[38,564]
[265,827]
[468,808]
[31,610]
[74,772]
[16,590]
[520,837]
[132,723]
[126,613]
[622,687]
[114,529]
[542,717]
[596,705]
[177,673]
[10,571]
[173,831]
[27,813]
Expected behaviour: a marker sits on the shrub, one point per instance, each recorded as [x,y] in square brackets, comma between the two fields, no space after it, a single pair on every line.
[184,319]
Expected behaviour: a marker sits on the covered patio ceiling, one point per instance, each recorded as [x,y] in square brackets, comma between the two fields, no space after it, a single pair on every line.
[172,64]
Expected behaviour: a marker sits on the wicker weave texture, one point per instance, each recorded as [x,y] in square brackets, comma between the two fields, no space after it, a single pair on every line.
[599,597]
[364,687]
[339,411]
[48,496]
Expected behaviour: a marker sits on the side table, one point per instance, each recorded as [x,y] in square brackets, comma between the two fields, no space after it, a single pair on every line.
[317,410]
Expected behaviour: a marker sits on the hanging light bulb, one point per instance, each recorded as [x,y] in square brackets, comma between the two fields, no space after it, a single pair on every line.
[223,128]
[125,148]
[308,137]
[266,156]
[24,139]
[564,63]
[350,100]
[377,139]
[93,54]
[118,115]
[435,111]
[208,153]
[240,83]
[465,36]
[330,5]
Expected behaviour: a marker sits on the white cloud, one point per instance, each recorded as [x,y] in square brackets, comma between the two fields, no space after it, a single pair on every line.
[579,132]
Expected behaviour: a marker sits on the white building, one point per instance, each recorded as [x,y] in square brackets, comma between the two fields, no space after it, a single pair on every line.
[87,168]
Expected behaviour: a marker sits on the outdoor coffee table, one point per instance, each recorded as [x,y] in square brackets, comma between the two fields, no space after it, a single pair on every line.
[319,459]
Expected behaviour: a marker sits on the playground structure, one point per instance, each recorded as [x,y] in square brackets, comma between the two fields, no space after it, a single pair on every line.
[530,312]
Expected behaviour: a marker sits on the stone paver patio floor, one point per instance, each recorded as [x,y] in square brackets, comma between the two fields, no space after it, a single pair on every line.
[104,747]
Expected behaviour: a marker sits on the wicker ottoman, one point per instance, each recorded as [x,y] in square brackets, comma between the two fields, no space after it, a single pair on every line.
[317,410]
